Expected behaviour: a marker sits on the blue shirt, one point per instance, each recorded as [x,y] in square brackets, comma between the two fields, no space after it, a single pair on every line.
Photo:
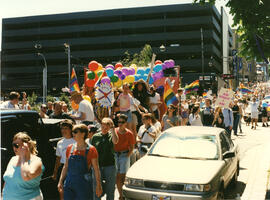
[228,117]
[16,188]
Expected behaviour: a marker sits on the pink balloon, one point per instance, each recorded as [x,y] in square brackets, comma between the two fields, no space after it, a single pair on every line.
[106,80]
[131,71]
[125,71]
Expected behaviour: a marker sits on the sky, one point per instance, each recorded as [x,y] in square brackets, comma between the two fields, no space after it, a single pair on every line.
[20,8]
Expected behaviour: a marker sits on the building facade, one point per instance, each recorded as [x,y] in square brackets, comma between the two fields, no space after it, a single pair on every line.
[105,36]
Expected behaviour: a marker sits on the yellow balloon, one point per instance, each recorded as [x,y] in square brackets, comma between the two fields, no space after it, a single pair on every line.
[100,67]
[118,83]
[268,109]
[130,79]
[86,97]
[135,67]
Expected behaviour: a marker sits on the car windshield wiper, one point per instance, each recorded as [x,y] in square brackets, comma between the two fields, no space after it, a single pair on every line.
[194,158]
[156,154]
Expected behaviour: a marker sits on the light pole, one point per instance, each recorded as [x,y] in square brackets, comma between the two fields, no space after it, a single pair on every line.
[67,46]
[45,71]
[202,57]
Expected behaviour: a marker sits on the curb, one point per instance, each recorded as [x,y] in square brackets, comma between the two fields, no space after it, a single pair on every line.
[258,181]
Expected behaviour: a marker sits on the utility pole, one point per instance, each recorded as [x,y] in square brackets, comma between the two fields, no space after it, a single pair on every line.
[45,71]
[202,56]
[67,46]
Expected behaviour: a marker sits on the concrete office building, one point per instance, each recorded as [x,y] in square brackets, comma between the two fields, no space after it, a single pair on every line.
[106,35]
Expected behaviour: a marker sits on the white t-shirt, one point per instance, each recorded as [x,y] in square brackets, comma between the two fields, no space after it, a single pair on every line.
[195,121]
[254,106]
[146,138]
[62,148]
[136,102]
[158,127]
[87,108]
[125,102]
[155,99]
[9,105]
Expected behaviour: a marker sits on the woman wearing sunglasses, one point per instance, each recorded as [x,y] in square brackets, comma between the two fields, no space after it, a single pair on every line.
[23,174]
[80,157]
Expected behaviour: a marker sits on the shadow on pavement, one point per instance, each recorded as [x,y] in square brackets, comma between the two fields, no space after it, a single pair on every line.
[232,191]
[267,197]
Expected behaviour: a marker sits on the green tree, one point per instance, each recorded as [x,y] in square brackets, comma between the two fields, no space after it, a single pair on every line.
[140,59]
[251,18]
[32,99]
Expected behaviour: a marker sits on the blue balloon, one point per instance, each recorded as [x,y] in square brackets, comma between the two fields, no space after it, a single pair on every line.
[109,72]
[157,68]
[151,80]
[147,70]
[140,71]
[264,104]
[145,77]
[137,77]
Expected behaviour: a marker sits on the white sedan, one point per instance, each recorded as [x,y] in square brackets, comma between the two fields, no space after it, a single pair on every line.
[185,162]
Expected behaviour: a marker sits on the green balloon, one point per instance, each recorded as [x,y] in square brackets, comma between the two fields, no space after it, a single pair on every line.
[91,75]
[99,73]
[114,78]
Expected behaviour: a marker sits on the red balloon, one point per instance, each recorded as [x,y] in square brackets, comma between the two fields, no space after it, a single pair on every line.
[117,65]
[90,83]
[158,62]
[93,65]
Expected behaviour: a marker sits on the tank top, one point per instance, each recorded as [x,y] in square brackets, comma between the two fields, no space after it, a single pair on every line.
[16,188]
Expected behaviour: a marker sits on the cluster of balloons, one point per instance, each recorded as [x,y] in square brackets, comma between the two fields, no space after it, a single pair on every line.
[118,75]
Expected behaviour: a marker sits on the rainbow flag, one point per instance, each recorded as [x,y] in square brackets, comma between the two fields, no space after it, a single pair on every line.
[74,86]
[169,96]
[245,90]
[204,95]
[194,86]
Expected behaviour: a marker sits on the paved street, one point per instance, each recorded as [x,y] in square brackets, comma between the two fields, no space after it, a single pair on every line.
[252,145]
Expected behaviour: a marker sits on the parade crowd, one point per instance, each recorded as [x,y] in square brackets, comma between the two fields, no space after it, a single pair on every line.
[99,144]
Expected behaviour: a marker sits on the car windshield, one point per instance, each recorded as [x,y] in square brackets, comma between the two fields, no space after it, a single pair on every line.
[203,147]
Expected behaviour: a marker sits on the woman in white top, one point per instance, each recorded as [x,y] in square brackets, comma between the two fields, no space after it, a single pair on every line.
[156,124]
[66,130]
[194,117]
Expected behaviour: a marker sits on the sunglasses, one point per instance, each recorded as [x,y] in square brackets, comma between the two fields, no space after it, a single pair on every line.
[121,122]
[15,145]
[75,132]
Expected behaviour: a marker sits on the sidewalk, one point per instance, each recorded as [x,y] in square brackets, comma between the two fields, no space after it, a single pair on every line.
[257,181]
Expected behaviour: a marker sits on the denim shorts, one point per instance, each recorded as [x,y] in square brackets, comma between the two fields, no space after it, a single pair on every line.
[128,114]
[122,162]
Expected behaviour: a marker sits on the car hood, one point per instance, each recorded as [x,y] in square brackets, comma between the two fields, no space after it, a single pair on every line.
[175,170]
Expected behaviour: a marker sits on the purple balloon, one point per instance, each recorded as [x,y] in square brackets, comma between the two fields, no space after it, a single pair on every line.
[131,71]
[122,77]
[105,80]
[172,63]
[109,66]
[118,72]
[164,66]
[125,71]
[159,75]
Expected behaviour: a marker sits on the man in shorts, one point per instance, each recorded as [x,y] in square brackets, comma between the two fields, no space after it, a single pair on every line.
[254,112]
[123,150]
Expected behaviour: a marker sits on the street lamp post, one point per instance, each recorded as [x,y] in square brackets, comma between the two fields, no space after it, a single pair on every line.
[67,46]
[44,72]
[202,51]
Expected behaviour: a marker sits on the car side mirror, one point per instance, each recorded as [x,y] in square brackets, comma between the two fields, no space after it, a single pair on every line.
[144,149]
[228,154]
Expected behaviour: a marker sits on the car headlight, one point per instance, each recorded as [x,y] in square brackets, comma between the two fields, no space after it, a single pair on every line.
[134,182]
[197,188]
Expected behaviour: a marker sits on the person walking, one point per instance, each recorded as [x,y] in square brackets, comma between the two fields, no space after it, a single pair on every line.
[85,110]
[254,112]
[236,116]
[194,117]
[207,113]
[146,134]
[66,131]
[80,157]
[123,150]
[170,118]
[104,142]
[218,118]
[23,174]
[228,120]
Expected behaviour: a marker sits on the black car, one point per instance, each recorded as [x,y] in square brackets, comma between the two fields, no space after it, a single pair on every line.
[45,132]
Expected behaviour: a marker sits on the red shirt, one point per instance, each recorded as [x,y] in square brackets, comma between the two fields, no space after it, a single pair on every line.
[92,153]
[125,140]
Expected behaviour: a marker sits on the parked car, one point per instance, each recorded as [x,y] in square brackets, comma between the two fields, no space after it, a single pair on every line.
[185,162]
[45,132]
